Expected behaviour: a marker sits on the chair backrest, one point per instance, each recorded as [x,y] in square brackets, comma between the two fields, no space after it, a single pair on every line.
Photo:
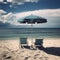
[39,42]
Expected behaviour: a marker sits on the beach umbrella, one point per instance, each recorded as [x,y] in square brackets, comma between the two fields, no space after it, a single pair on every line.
[32,19]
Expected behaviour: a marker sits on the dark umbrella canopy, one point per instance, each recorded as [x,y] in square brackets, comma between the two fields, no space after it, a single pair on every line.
[33,19]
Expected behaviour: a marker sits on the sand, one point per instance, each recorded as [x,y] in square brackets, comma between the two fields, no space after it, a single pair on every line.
[7,53]
[27,54]
[51,42]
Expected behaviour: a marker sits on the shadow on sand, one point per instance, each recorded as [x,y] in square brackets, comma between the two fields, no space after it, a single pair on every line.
[51,50]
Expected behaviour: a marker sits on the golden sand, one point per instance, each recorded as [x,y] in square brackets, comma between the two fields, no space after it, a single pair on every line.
[9,50]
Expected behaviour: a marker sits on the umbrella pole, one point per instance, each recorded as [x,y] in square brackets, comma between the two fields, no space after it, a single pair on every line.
[32,43]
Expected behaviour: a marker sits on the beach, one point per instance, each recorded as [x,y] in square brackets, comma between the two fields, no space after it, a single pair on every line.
[9,50]
[27,54]
[29,30]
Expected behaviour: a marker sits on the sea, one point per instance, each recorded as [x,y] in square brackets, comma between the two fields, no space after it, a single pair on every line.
[30,32]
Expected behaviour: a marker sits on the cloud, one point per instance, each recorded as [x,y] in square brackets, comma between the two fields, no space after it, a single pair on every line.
[43,13]
[18,2]
[2,11]
[22,0]
[8,18]
[9,0]
[1,0]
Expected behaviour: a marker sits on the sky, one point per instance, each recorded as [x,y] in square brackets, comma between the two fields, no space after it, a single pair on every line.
[49,9]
